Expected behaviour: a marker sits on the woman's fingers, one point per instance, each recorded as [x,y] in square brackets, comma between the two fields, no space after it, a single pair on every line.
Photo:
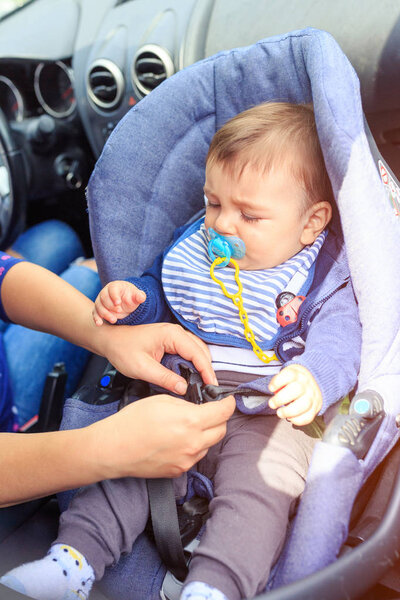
[187,345]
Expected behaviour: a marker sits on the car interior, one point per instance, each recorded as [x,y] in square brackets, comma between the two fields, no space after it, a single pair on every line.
[70,70]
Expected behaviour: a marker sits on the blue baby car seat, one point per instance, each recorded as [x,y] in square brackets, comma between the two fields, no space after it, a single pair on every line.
[148,181]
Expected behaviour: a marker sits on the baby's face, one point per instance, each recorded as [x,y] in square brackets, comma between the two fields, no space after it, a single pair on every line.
[264,210]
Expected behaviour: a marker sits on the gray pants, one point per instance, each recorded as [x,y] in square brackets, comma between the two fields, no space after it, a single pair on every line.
[258,471]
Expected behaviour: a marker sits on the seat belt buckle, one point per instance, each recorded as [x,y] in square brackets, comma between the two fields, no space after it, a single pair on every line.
[194,385]
[198,392]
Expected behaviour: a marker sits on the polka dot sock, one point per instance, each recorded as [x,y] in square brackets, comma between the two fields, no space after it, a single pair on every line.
[63,574]
[197,590]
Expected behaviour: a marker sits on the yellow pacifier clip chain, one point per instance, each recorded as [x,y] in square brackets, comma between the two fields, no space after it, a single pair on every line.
[238,302]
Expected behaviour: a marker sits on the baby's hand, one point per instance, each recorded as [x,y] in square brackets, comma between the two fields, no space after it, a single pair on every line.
[297,395]
[116,301]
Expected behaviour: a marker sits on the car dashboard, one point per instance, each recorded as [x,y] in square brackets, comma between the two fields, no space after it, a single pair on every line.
[71,69]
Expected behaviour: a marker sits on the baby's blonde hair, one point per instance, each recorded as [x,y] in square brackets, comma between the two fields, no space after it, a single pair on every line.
[274,135]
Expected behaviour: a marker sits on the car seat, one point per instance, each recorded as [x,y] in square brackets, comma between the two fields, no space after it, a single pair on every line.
[149,180]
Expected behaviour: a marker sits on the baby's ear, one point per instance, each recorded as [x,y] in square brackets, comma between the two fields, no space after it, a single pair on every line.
[318,217]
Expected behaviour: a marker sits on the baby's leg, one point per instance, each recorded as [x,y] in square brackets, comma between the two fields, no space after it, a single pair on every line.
[104,519]
[260,474]
[102,522]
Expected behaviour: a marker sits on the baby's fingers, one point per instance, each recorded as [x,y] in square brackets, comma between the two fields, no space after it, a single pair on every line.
[131,299]
[303,419]
[281,379]
[113,293]
[109,298]
[287,394]
[96,317]
[294,409]
[101,313]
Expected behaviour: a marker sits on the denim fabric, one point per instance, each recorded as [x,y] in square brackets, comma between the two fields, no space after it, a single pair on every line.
[32,354]
[138,575]
[51,244]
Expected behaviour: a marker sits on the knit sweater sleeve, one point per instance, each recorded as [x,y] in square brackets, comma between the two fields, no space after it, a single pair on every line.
[155,308]
[333,346]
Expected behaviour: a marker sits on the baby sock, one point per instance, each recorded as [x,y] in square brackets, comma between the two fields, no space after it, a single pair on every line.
[63,574]
[197,590]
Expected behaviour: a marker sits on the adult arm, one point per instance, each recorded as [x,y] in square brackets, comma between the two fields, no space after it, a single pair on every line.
[154,437]
[157,436]
[36,298]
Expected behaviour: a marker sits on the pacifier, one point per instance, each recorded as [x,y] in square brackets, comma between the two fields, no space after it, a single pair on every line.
[225,247]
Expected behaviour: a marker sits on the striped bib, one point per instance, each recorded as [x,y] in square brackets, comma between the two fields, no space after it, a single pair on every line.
[200,305]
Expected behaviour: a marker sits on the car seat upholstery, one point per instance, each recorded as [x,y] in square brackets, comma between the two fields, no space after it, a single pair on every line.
[149,180]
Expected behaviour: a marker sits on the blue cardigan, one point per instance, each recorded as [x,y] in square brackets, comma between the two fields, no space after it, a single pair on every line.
[328,322]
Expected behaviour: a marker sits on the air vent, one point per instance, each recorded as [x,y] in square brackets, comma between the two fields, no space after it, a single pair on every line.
[105,84]
[151,66]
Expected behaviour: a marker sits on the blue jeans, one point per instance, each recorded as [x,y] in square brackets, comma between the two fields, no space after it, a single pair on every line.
[32,354]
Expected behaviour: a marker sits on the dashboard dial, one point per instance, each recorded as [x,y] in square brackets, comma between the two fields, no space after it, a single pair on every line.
[11,102]
[54,89]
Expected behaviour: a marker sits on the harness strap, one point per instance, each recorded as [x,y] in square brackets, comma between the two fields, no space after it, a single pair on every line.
[164,519]
[198,393]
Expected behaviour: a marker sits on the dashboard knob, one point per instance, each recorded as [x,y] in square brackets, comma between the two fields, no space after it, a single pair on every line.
[41,132]
[70,169]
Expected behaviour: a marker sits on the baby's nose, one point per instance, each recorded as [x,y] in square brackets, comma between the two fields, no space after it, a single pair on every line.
[224,224]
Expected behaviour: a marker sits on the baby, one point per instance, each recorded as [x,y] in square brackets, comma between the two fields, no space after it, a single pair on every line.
[269,198]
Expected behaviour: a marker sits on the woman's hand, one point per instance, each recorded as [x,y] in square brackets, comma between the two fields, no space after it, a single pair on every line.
[136,351]
[159,436]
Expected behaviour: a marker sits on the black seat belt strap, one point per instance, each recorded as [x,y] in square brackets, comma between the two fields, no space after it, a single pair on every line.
[164,519]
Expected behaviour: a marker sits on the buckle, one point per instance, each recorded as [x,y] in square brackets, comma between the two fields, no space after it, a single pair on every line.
[199,393]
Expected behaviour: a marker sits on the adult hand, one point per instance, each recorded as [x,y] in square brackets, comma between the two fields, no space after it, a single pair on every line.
[297,395]
[136,351]
[159,436]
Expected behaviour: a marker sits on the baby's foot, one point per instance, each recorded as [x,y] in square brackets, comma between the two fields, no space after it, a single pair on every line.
[63,574]
[198,590]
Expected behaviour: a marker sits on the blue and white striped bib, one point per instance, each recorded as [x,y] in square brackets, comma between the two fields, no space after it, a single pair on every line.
[199,301]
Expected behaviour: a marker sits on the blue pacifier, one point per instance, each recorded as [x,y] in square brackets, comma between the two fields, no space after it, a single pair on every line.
[225,247]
